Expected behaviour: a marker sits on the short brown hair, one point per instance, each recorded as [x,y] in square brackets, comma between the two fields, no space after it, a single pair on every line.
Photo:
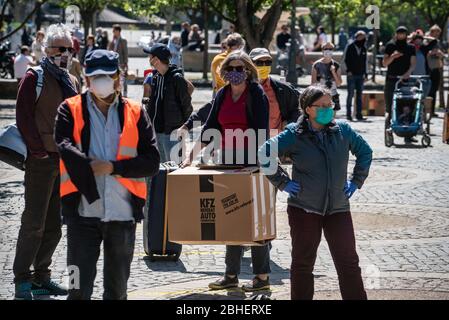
[117,27]
[235,39]
[91,37]
[251,69]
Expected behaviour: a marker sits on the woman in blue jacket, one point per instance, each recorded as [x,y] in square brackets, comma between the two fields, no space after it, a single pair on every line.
[319,190]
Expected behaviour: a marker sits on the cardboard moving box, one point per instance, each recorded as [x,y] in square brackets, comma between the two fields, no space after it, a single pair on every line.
[206,206]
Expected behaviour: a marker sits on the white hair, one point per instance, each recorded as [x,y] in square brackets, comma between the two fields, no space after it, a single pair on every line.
[57,32]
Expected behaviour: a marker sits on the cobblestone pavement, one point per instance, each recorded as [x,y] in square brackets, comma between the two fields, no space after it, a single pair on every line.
[401,219]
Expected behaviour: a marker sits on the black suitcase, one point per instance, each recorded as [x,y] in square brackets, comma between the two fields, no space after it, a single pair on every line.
[155,229]
[12,158]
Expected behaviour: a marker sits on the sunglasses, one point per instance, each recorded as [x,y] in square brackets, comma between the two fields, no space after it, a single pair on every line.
[263,63]
[64,49]
[237,68]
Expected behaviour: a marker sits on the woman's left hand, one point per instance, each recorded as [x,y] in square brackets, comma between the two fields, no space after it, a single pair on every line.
[349,189]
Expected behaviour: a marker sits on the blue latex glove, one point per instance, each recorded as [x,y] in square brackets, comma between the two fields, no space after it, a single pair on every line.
[350,188]
[292,188]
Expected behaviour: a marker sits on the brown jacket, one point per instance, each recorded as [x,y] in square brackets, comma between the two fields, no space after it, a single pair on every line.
[122,50]
[36,120]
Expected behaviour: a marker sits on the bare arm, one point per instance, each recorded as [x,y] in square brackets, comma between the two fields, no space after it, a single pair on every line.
[146,90]
[197,147]
[387,60]
[313,75]
[337,77]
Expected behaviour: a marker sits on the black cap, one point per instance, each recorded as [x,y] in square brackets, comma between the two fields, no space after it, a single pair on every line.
[158,50]
[101,62]
[401,29]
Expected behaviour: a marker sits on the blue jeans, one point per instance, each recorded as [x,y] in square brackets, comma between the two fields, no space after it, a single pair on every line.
[165,146]
[355,83]
[426,85]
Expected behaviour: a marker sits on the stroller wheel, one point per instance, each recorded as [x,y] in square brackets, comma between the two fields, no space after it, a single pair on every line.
[425,141]
[389,140]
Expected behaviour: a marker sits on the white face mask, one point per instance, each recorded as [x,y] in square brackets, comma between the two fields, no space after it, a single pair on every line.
[102,87]
[63,61]
[327,53]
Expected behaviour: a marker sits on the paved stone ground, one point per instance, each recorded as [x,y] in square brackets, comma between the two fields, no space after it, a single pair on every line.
[401,219]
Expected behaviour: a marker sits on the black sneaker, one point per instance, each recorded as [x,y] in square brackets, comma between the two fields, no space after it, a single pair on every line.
[224,283]
[48,288]
[349,118]
[257,284]
[361,118]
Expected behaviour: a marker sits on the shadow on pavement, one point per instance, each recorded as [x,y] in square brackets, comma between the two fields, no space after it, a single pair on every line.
[229,294]
[411,146]
[162,264]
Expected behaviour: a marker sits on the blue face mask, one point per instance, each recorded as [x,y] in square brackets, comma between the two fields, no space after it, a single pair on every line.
[324,115]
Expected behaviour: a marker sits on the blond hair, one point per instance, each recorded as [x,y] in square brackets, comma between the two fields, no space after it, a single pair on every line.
[435,27]
[327,44]
[251,69]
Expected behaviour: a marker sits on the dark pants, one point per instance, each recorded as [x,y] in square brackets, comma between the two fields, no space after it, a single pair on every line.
[84,238]
[40,229]
[260,256]
[355,83]
[388,94]
[435,77]
[305,230]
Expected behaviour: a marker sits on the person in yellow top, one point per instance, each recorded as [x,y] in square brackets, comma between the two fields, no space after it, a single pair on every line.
[234,41]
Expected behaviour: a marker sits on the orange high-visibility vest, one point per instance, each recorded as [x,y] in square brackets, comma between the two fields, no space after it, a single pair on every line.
[127,148]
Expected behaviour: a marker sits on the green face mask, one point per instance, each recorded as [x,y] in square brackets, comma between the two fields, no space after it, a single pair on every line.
[324,115]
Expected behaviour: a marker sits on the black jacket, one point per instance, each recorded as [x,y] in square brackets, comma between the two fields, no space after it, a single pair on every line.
[356,64]
[288,99]
[77,162]
[286,95]
[177,102]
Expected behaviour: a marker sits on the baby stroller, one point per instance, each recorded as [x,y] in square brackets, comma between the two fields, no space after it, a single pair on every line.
[407,117]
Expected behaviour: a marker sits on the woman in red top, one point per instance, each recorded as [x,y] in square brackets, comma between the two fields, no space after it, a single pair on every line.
[240,116]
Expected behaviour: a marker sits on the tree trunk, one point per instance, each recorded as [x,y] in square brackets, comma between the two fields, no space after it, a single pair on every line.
[169,13]
[28,17]
[332,20]
[206,39]
[292,76]
[86,17]
[94,24]
[2,14]
[258,33]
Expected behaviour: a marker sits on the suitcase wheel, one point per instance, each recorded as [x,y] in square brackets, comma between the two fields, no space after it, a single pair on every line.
[151,257]
[175,257]
[170,257]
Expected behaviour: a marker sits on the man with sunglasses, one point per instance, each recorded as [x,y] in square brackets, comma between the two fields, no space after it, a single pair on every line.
[283,98]
[40,229]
